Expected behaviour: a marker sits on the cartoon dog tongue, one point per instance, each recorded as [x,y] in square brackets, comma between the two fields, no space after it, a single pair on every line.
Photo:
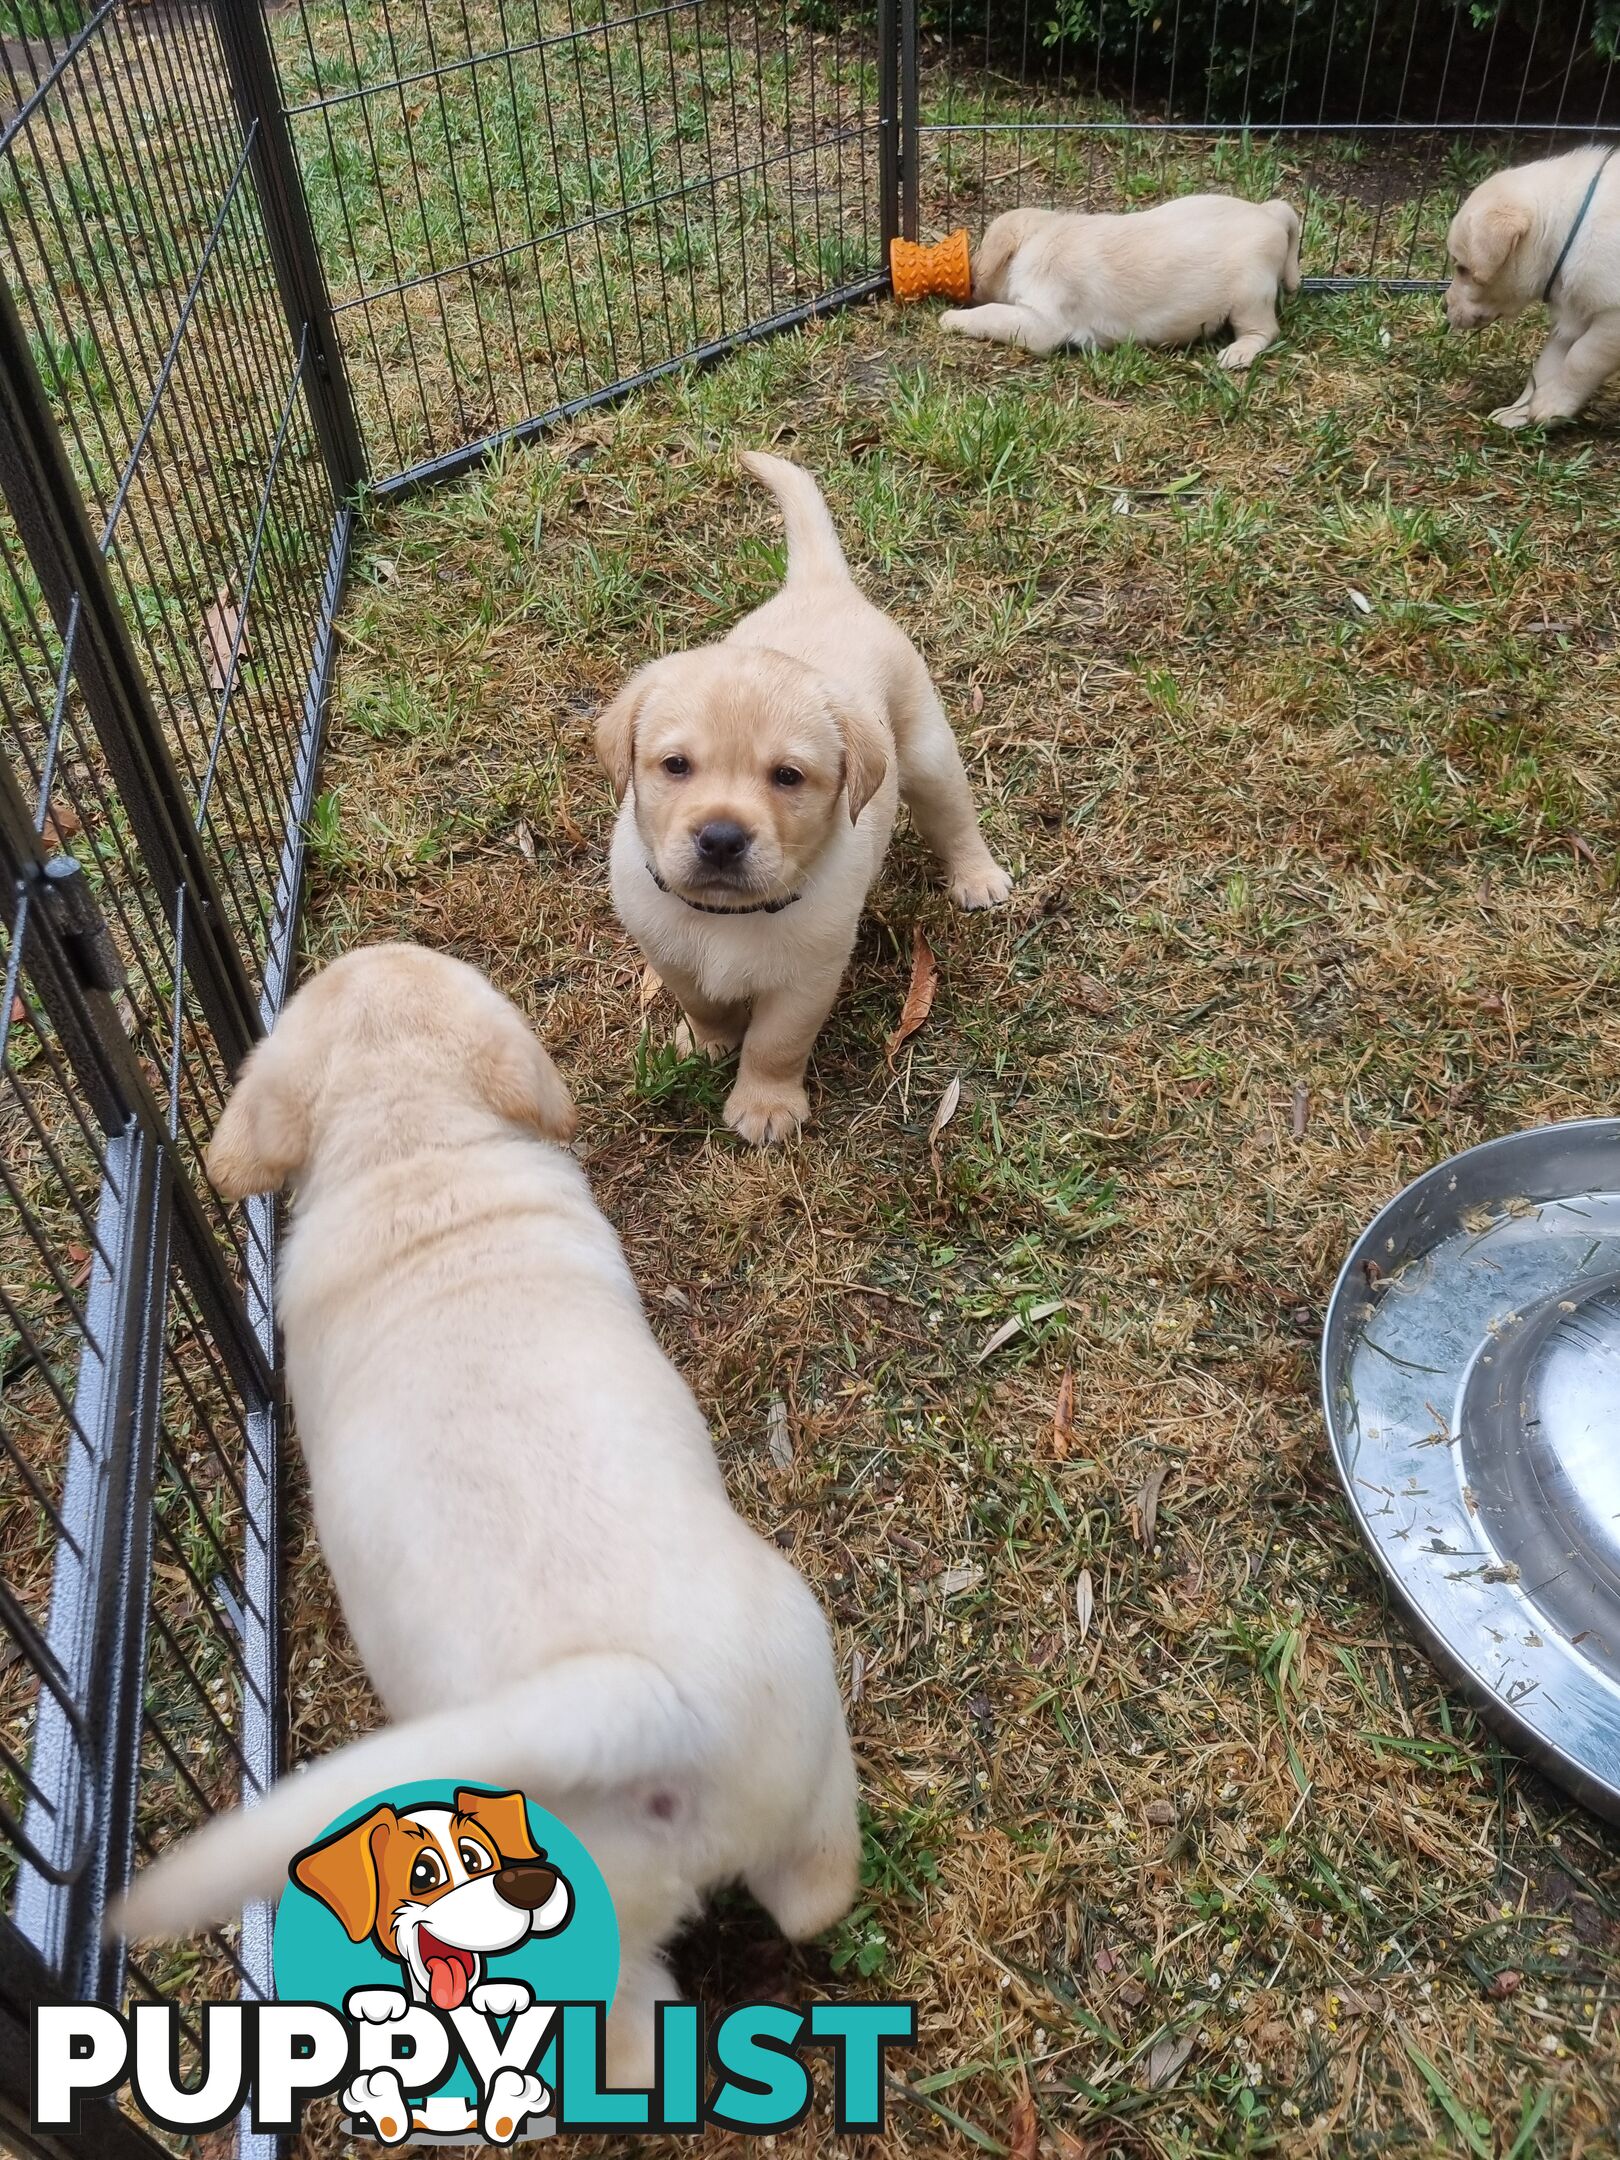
[447,1982]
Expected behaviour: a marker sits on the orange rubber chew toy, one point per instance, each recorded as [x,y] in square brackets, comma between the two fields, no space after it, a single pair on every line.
[925,273]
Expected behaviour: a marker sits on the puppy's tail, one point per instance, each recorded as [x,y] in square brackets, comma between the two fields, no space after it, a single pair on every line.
[1288,218]
[585,1723]
[813,549]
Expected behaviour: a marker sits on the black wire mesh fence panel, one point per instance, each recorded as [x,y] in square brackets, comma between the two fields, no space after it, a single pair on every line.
[172,538]
[1373,121]
[526,205]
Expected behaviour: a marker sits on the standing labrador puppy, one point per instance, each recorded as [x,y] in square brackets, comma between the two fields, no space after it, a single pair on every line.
[1166,276]
[515,1491]
[1548,231]
[758,783]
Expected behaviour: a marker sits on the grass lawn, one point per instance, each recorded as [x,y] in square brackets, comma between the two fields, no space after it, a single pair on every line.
[1292,704]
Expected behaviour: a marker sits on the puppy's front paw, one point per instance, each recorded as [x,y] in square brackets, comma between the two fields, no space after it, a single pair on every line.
[690,1043]
[1241,353]
[980,885]
[765,1116]
[377,2006]
[501,1998]
[1511,416]
[513,2097]
[951,318]
[380,2099]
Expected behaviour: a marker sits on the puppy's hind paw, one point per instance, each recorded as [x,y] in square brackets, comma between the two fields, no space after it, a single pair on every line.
[689,1043]
[1511,416]
[983,885]
[379,2099]
[766,1116]
[513,2097]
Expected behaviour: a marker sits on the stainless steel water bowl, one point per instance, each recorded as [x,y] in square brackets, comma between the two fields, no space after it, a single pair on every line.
[1471,1381]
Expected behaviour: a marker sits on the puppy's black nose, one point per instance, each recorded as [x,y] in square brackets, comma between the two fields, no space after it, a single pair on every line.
[526,1885]
[720,843]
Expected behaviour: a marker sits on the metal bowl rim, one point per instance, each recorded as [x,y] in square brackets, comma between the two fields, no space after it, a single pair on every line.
[1582,1783]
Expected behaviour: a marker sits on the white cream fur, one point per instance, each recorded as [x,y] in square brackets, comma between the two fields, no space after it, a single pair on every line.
[1171,275]
[821,679]
[1505,242]
[515,1490]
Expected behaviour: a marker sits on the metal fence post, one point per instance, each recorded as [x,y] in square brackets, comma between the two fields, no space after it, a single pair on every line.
[909,136]
[40,489]
[246,46]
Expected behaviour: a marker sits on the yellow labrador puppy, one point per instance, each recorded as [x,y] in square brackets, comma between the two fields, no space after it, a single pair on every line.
[515,1490]
[758,782]
[1166,276]
[1551,232]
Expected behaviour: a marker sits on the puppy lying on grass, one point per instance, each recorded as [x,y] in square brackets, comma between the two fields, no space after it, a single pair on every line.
[1166,276]
[758,782]
[1548,231]
[515,1491]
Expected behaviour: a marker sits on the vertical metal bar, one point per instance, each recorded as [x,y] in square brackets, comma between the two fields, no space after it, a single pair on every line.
[909,140]
[246,46]
[888,116]
[43,497]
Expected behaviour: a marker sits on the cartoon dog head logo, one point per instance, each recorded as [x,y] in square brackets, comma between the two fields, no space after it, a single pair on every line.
[439,1889]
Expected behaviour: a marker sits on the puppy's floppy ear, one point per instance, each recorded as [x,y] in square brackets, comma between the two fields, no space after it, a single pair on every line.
[866,753]
[504,1817]
[343,1871]
[1498,229]
[616,730]
[263,1135]
[518,1081]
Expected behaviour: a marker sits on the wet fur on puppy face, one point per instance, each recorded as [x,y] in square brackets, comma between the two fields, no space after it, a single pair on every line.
[745,742]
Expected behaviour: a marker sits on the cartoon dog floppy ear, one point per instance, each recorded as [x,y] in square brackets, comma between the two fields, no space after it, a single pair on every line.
[439,1888]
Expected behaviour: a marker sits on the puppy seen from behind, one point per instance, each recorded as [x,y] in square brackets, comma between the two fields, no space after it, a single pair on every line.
[759,781]
[1171,275]
[515,1492]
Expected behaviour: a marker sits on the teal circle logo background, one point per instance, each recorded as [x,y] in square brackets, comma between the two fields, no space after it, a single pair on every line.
[316,1962]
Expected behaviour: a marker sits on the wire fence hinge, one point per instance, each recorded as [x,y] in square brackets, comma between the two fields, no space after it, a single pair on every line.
[81,926]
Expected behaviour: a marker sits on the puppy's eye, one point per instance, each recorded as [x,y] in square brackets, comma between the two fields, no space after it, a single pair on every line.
[473,1857]
[788,776]
[427,1874]
[677,767]
[1462,270]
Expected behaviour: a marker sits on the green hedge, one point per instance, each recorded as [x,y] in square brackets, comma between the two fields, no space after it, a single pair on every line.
[1235,61]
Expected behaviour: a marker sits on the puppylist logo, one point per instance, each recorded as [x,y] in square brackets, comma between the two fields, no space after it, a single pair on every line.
[444,1959]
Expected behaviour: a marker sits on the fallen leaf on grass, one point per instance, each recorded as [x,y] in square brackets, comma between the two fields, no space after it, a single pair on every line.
[19,1011]
[778,1434]
[222,627]
[1302,1110]
[523,834]
[1144,1505]
[942,1117]
[1166,2057]
[976,700]
[1161,1812]
[1019,1321]
[1084,1602]
[857,1676]
[1132,1995]
[948,1104]
[62,821]
[1093,996]
[1063,1416]
[919,994]
[1106,1961]
[957,1579]
[1024,2131]
[1359,601]
[1502,1985]
[651,984]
